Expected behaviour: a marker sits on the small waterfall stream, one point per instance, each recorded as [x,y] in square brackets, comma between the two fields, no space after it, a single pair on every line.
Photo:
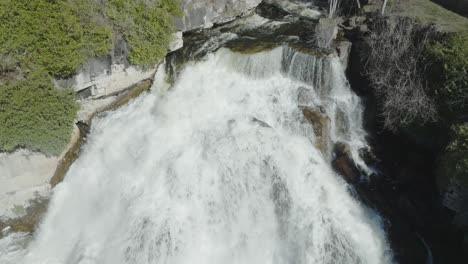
[221,168]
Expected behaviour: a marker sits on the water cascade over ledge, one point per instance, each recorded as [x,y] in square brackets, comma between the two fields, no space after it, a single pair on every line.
[221,168]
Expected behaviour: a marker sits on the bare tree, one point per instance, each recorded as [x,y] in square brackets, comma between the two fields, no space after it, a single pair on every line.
[358,3]
[325,32]
[396,70]
[384,5]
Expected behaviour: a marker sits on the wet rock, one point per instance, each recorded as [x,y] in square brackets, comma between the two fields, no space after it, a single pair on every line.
[74,149]
[28,222]
[363,28]
[305,96]
[344,164]
[322,109]
[350,23]
[320,123]
[71,155]
[83,127]
[247,45]
[455,198]
[270,11]
[343,50]
[368,156]
[260,122]
[305,9]
[353,22]
[342,124]
[177,41]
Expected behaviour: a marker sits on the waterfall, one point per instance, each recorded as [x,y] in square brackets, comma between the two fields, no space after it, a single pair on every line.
[218,169]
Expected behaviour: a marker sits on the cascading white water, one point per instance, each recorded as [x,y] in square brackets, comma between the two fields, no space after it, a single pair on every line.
[191,175]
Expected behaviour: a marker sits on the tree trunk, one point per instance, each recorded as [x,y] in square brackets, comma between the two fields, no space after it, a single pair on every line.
[384,4]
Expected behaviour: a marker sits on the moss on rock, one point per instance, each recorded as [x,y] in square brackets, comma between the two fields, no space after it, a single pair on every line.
[251,46]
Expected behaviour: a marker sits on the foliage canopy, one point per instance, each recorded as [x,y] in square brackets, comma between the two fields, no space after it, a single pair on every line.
[147,27]
[41,39]
[55,35]
[35,115]
[455,161]
[450,71]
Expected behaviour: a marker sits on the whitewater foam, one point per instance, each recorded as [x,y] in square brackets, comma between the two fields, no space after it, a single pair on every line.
[188,176]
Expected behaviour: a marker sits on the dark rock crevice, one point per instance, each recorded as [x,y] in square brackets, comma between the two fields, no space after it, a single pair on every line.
[405,192]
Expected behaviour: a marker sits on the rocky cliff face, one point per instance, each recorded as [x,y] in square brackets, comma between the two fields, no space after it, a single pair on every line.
[205,13]
[111,74]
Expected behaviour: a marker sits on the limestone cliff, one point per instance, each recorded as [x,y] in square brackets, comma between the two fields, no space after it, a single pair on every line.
[108,75]
[205,13]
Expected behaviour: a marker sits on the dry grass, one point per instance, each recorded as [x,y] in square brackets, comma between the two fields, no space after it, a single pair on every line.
[426,12]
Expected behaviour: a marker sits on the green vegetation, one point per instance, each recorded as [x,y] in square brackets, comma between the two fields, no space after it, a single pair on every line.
[41,39]
[147,28]
[428,12]
[35,115]
[54,35]
[450,71]
[455,161]
[424,11]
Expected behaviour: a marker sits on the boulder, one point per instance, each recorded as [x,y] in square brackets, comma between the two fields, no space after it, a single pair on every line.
[368,156]
[302,8]
[343,51]
[260,122]
[344,164]
[28,221]
[271,10]
[177,41]
[305,96]
[320,123]
[84,128]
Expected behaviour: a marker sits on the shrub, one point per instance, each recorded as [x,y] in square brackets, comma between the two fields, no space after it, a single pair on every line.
[147,27]
[35,115]
[455,160]
[450,73]
[38,39]
[396,69]
[44,38]
[55,35]
[325,32]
